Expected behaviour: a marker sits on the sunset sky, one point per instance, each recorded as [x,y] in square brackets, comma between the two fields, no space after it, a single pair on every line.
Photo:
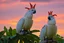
[12,10]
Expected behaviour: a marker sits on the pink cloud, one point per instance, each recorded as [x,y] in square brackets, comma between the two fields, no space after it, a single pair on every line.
[12,12]
[7,1]
[35,0]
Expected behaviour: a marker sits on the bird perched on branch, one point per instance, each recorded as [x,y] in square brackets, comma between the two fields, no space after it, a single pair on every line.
[50,29]
[26,22]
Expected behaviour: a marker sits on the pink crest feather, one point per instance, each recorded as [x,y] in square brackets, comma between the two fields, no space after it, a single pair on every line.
[50,13]
[54,15]
[31,6]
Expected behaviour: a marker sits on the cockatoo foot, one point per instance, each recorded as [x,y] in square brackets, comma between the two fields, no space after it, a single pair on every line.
[51,40]
[23,32]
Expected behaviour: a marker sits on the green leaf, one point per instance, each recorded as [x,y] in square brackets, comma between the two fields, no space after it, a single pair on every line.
[6,31]
[2,33]
[36,38]
[10,31]
[34,31]
[14,32]
[32,38]
[59,39]
[13,39]
[27,38]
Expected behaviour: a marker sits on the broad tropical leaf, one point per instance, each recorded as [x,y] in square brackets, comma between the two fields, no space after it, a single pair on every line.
[32,31]
[2,33]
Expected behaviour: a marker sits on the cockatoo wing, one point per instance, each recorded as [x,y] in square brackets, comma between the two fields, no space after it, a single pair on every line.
[20,25]
[43,32]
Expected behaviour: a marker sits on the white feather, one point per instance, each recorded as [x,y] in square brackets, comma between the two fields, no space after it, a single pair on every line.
[25,22]
[49,30]
[43,33]
[20,25]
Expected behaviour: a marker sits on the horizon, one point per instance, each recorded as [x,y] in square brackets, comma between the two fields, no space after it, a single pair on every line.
[12,10]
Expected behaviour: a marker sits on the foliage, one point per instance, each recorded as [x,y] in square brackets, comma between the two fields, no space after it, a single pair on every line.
[59,39]
[10,36]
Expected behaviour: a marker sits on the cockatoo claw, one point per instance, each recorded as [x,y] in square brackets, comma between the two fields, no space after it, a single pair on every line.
[23,32]
[49,40]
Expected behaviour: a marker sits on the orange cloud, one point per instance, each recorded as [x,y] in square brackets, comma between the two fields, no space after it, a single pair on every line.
[11,21]
[60,32]
[60,21]
[40,18]
[38,23]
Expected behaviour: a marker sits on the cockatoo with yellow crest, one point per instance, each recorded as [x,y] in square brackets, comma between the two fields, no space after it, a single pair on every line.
[26,22]
[50,29]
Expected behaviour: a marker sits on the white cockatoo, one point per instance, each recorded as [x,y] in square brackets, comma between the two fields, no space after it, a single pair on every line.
[26,22]
[50,29]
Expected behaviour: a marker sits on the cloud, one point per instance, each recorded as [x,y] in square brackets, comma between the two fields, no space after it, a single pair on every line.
[10,13]
[35,0]
[61,32]
[10,1]
[12,10]
[7,1]
[41,0]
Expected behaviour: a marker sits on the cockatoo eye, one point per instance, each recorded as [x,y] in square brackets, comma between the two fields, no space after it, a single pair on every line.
[34,12]
[49,18]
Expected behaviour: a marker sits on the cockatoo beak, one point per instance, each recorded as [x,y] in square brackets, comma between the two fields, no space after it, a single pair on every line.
[54,15]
